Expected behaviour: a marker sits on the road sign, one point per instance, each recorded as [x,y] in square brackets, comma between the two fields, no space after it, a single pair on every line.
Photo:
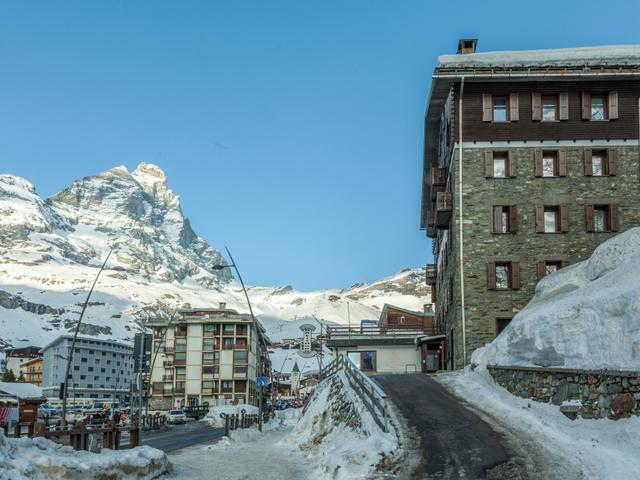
[222,414]
[243,411]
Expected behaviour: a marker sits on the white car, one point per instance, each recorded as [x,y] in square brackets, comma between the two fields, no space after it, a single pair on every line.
[176,416]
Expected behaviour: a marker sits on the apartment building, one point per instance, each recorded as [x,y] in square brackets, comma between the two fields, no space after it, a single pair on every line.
[210,355]
[32,371]
[531,161]
[99,368]
[15,358]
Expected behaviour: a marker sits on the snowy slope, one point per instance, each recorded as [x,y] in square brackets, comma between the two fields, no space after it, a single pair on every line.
[50,252]
[583,316]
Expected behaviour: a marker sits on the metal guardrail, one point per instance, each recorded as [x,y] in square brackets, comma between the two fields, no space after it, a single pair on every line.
[371,395]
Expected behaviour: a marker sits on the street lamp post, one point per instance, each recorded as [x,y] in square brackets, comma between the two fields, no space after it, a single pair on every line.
[253,319]
[73,342]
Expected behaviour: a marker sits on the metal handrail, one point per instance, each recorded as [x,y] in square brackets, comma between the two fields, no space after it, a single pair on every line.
[370,393]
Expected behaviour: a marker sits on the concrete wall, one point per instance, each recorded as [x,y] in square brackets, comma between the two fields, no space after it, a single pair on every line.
[602,393]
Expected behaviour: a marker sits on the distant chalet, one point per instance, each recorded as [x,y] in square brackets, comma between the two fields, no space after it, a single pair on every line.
[530,162]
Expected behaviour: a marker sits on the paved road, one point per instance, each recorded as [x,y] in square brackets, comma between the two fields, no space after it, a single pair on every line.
[176,437]
[455,443]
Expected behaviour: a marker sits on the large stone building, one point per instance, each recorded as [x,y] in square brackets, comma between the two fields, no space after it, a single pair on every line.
[207,355]
[530,162]
[100,369]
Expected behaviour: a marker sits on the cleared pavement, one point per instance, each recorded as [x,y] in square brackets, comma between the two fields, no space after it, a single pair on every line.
[176,437]
[455,443]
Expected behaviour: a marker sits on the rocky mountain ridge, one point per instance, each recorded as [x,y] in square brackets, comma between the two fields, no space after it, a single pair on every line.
[50,251]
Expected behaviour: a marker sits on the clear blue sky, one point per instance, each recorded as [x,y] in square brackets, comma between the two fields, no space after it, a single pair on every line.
[292,130]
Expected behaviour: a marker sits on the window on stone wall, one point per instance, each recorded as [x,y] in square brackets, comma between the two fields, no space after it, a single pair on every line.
[501,324]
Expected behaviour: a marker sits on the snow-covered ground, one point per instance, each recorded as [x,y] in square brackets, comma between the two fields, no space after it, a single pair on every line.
[335,439]
[247,454]
[42,459]
[584,316]
[579,449]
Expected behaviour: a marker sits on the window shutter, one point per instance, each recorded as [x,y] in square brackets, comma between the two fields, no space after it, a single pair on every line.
[612,163]
[491,275]
[564,219]
[564,106]
[497,216]
[586,106]
[487,101]
[513,219]
[562,163]
[614,218]
[536,106]
[589,218]
[512,168]
[613,105]
[515,275]
[588,162]
[514,106]
[539,219]
[540,270]
[537,155]
[488,164]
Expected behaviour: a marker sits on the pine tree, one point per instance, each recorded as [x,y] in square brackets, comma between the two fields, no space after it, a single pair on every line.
[21,378]
[8,376]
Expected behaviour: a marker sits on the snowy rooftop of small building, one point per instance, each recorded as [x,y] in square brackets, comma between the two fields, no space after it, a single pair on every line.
[618,55]
[20,390]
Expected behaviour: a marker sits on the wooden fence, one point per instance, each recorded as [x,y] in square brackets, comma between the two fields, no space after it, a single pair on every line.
[235,421]
[371,395]
[81,436]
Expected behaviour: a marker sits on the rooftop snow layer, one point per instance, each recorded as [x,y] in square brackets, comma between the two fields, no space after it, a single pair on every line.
[21,390]
[584,316]
[589,56]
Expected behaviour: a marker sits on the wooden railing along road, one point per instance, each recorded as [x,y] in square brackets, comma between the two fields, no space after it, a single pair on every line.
[371,395]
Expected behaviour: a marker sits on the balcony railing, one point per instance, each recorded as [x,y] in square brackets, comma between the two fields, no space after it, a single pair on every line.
[444,207]
[167,378]
[431,274]
[438,177]
[167,364]
[335,333]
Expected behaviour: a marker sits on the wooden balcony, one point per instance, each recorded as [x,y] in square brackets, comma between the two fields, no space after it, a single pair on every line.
[431,274]
[438,181]
[444,209]
[438,177]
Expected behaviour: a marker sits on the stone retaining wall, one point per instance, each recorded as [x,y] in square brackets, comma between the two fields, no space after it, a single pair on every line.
[603,393]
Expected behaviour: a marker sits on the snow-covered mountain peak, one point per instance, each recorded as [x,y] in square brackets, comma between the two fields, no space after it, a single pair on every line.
[154,182]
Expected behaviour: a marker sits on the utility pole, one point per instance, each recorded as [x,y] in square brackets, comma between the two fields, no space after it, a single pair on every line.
[65,386]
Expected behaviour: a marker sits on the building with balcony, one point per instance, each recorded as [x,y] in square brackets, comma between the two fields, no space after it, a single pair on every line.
[32,371]
[101,369]
[530,162]
[15,358]
[402,341]
[210,355]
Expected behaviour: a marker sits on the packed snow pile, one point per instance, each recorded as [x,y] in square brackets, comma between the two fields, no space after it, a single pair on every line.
[584,316]
[339,435]
[585,56]
[562,448]
[42,459]
[216,414]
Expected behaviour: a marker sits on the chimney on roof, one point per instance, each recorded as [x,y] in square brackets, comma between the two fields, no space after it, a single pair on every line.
[222,305]
[467,45]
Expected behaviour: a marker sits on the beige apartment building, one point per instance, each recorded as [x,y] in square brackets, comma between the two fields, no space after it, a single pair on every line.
[207,355]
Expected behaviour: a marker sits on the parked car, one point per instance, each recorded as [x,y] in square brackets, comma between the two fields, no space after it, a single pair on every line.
[176,416]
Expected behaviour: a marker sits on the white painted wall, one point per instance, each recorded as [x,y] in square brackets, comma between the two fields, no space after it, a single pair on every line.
[391,358]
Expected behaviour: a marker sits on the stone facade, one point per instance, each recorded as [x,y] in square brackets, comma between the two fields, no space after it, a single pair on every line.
[603,394]
[483,307]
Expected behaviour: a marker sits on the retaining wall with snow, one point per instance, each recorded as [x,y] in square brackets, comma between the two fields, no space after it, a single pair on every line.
[602,393]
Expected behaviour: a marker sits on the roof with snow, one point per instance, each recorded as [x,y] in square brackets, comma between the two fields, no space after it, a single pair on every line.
[22,391]
[613,55]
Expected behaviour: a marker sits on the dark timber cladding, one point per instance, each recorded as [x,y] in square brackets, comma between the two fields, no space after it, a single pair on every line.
[549,147]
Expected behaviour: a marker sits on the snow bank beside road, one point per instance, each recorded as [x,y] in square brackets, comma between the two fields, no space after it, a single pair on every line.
[42,459]
[339,435]
[572,449]
[585,316]
[215,420]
